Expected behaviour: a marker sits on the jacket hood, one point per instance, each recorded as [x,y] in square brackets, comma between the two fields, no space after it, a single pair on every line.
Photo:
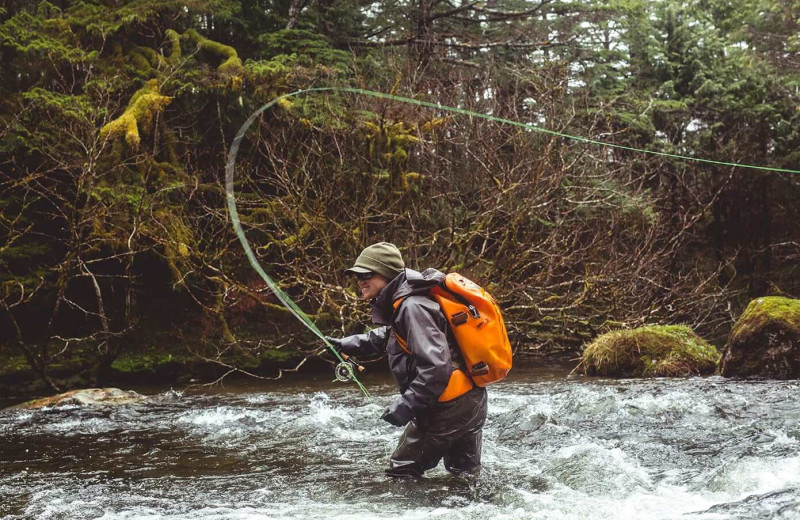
[407,283]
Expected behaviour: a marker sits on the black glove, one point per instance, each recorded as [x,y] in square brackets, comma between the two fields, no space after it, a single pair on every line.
[336,343]
[398,413]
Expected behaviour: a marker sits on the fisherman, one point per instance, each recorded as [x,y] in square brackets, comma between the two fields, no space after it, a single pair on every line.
[442,410]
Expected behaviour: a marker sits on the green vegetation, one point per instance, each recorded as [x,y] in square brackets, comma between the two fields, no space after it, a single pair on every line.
[142,108]
[651,351]
[116,117]
[13,364]
[230,66]
[140,362]
[763,313]
[765,340]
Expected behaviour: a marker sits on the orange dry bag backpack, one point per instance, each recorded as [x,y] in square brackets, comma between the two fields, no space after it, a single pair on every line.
[478,327]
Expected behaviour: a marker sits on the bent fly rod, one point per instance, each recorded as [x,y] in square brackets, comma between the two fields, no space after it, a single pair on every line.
[347,368]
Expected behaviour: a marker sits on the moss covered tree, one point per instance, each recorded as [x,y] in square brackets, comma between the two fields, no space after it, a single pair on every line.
[116,118]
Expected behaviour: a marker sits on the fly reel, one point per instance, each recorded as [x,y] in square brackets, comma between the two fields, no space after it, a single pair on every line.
[345,371]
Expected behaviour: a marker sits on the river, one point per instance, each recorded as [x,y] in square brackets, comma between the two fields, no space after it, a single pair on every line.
[555,447]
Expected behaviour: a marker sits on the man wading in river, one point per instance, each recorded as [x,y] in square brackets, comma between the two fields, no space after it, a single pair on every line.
[442,410]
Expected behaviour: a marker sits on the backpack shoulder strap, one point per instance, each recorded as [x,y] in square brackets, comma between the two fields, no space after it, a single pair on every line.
[460,381]
[400,341]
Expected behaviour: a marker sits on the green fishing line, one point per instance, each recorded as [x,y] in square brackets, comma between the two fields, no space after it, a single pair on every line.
[283,297]
[237,226]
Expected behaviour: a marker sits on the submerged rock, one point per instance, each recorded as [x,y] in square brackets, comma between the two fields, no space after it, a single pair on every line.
[765,341]
[652,351]
[85,397]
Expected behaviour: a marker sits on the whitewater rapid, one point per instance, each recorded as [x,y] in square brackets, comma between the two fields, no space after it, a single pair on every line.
[555,448]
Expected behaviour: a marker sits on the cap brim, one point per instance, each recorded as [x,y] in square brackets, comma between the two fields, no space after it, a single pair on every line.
[357,270]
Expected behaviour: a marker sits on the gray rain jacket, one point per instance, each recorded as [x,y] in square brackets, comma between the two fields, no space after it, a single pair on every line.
[423,376]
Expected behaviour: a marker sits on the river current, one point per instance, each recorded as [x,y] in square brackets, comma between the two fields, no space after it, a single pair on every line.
[554,448]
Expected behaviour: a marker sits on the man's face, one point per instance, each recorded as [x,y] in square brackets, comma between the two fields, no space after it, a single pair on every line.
[370,287]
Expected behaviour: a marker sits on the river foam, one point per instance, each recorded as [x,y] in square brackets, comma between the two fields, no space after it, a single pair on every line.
[705,449]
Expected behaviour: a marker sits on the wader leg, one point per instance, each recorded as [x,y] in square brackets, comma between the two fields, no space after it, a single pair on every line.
[417,452]
[454,430]
[464,454]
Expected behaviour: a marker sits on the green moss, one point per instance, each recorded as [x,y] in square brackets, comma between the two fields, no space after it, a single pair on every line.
[175,45]
[143,106]
[230,67]
[300,236]
[765,311]
[148,361]
[139,62]
[13,364]
[651,351]
[274,355]
[154,59]
[763,341]
[412,181]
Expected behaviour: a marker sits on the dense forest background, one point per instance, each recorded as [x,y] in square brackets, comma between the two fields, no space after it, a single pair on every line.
[116,250]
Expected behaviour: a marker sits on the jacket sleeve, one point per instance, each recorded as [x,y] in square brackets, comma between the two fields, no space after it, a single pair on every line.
[422,324]
[371,342]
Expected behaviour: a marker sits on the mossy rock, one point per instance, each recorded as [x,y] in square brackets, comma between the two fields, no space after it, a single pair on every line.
[765,341]
[651,351]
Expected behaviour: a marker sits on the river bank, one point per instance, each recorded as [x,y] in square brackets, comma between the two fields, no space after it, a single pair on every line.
[157,368]
[176,367]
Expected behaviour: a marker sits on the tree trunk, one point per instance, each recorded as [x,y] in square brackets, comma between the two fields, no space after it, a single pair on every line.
[294,13]
[422,44]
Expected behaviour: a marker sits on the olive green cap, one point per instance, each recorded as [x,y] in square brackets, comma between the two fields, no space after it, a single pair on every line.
[382,258]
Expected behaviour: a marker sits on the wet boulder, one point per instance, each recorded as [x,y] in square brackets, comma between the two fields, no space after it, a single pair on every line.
[85,397]
[651,351]
[765,340]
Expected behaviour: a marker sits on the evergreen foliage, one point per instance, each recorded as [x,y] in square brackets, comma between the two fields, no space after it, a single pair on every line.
[115,118]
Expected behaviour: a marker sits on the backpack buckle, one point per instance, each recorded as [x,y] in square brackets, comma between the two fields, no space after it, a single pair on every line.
[479,369]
